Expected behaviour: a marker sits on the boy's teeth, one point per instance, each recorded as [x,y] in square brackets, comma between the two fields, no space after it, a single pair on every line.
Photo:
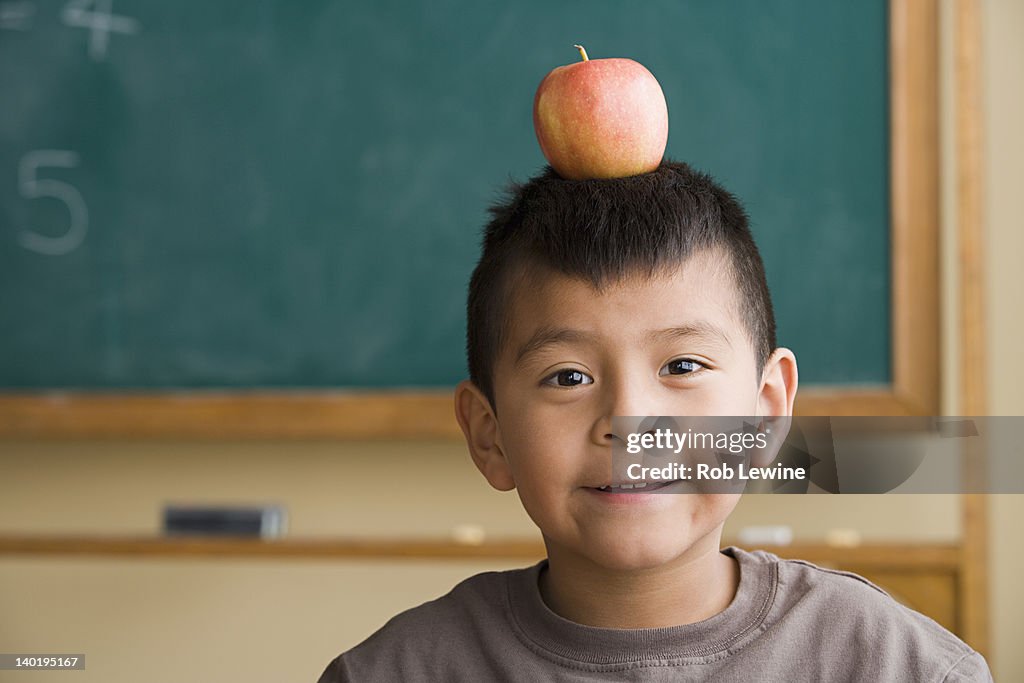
[619,487]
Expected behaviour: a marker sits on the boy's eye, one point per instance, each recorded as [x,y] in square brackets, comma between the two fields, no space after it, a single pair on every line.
[569,378]
[680,366]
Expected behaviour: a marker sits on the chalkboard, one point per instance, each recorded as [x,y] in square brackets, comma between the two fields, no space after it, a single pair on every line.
[290,194]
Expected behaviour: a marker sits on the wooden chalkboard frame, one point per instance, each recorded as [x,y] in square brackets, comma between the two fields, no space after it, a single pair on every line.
[915,389]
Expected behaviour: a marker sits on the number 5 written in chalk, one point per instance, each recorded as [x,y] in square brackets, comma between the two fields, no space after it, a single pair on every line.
[31,186]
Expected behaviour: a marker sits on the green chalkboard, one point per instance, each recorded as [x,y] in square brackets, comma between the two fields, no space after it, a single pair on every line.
[290,194]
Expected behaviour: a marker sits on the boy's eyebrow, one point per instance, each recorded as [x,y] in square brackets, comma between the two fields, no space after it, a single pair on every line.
[700,330]
[548,336]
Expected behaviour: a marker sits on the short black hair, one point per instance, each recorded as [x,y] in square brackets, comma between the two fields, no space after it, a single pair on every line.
[601,231]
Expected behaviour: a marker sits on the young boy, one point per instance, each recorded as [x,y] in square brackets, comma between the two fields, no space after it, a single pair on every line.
[626,297]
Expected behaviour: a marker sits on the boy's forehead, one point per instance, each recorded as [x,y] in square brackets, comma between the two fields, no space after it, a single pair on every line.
[699,295]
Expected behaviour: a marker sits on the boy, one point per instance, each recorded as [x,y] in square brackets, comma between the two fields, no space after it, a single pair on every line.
[633,296]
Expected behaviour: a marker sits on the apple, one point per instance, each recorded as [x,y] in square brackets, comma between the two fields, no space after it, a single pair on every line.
[601,118]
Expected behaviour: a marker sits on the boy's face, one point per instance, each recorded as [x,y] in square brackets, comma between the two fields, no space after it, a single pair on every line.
[673,345]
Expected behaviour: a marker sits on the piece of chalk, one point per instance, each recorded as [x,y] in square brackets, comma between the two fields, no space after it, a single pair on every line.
[469,534]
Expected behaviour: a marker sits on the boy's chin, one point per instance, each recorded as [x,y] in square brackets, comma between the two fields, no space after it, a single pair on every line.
[634,562]
[641,552]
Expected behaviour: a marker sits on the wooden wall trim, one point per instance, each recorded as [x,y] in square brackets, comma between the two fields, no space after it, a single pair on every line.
[970,220]
[876,555]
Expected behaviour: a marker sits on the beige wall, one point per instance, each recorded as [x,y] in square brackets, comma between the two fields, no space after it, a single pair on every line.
[271,621]
[1003,28]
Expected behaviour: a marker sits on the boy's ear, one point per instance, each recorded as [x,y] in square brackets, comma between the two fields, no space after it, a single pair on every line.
[778,384]
[483,435]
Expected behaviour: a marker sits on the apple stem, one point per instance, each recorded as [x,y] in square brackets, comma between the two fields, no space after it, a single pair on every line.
[583,52]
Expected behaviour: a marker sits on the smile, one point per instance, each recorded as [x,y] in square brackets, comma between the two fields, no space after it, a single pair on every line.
[639,486]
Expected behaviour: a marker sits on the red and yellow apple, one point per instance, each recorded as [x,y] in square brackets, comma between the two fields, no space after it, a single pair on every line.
[601,118]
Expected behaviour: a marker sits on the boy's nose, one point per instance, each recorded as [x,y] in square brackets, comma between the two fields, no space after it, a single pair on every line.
[625,399]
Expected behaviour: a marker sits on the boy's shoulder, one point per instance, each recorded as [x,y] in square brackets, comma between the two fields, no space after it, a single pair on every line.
[843,607]
[848,598]
[790,620]
[412,645]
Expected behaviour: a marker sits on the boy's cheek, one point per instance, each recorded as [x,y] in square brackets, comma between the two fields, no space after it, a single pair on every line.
[536,460]
[722,504]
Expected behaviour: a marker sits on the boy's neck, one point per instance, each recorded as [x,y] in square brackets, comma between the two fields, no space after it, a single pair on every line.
[696,586]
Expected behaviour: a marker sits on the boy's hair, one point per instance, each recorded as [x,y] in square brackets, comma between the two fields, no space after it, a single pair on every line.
[602,231]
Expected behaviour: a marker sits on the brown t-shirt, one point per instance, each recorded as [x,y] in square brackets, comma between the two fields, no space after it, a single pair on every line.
[789,621]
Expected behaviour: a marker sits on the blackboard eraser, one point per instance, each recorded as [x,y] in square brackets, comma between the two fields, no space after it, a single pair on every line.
[265,521]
